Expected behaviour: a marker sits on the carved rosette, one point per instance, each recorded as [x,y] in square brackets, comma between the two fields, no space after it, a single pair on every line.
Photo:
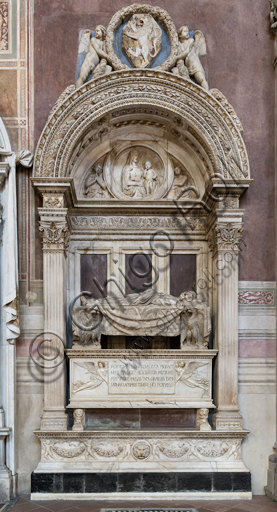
[225,237]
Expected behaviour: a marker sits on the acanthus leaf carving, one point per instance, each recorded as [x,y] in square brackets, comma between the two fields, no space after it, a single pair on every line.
[225,236]
[54,234]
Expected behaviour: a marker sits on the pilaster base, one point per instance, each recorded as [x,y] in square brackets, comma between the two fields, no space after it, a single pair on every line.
[6,484]
[271,487]
[227,421]
[54,420]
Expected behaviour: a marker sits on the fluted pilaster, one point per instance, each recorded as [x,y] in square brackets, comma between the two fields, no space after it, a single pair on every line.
[224,240]
[53,225]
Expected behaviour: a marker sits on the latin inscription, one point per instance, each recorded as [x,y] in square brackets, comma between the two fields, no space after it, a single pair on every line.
[136,377]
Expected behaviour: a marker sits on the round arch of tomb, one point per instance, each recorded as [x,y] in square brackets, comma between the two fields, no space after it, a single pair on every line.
[209,121]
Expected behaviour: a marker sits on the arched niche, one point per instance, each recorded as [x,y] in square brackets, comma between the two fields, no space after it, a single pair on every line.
[198,127]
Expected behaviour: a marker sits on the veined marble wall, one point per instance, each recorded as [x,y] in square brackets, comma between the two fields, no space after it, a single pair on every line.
[257,392]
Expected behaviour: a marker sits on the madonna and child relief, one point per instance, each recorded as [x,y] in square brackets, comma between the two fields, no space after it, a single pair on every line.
[138,179]
[138,173]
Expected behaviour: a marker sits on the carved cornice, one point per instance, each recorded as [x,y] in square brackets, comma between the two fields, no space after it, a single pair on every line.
[194,434]
[215,127]
[225,103]
[150,354]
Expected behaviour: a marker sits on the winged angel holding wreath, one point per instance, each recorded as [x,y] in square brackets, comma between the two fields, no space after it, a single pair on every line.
[188,62]
[96,57]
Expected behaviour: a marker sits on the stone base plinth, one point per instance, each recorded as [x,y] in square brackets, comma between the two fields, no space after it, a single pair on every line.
[6,484]
[141,485]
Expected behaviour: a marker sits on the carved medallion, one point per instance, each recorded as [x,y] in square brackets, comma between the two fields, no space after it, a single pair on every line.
[138,172]
[141,450]
[141,40]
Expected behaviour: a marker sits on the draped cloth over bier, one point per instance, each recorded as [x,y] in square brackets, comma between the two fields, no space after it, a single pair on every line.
[147,313]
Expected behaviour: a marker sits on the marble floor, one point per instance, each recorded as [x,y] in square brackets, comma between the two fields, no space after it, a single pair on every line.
[257,504]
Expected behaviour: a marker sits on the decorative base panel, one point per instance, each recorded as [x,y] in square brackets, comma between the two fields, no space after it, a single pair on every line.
[140,451]
[152,484]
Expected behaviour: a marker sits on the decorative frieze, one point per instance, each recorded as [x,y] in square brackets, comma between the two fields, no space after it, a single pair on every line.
[131,222]
[147,450]
[257,297]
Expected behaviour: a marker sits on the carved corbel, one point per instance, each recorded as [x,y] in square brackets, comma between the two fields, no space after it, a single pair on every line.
[202,420]
[79,419]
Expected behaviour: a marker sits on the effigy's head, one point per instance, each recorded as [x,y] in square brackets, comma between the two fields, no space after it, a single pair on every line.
[187,296]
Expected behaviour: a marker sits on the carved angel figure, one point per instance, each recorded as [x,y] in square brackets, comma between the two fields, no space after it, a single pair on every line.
[188,62]
[187,374]
[96,58]
[95,185]
[197,324]
[273,13]
[181,180]
[97,376]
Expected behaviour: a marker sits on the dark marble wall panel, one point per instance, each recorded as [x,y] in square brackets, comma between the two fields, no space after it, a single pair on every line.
[94,270]
[182,273]
[138,272]
[140,419]
[238,62]
[140,482]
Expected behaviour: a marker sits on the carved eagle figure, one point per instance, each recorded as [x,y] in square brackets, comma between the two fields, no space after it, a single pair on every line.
[186,373]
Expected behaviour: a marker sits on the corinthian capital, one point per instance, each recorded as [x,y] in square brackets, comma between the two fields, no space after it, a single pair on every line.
[55,235]
[225,236]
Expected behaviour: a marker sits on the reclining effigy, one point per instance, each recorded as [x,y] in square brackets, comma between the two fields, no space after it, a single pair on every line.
[148,313]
